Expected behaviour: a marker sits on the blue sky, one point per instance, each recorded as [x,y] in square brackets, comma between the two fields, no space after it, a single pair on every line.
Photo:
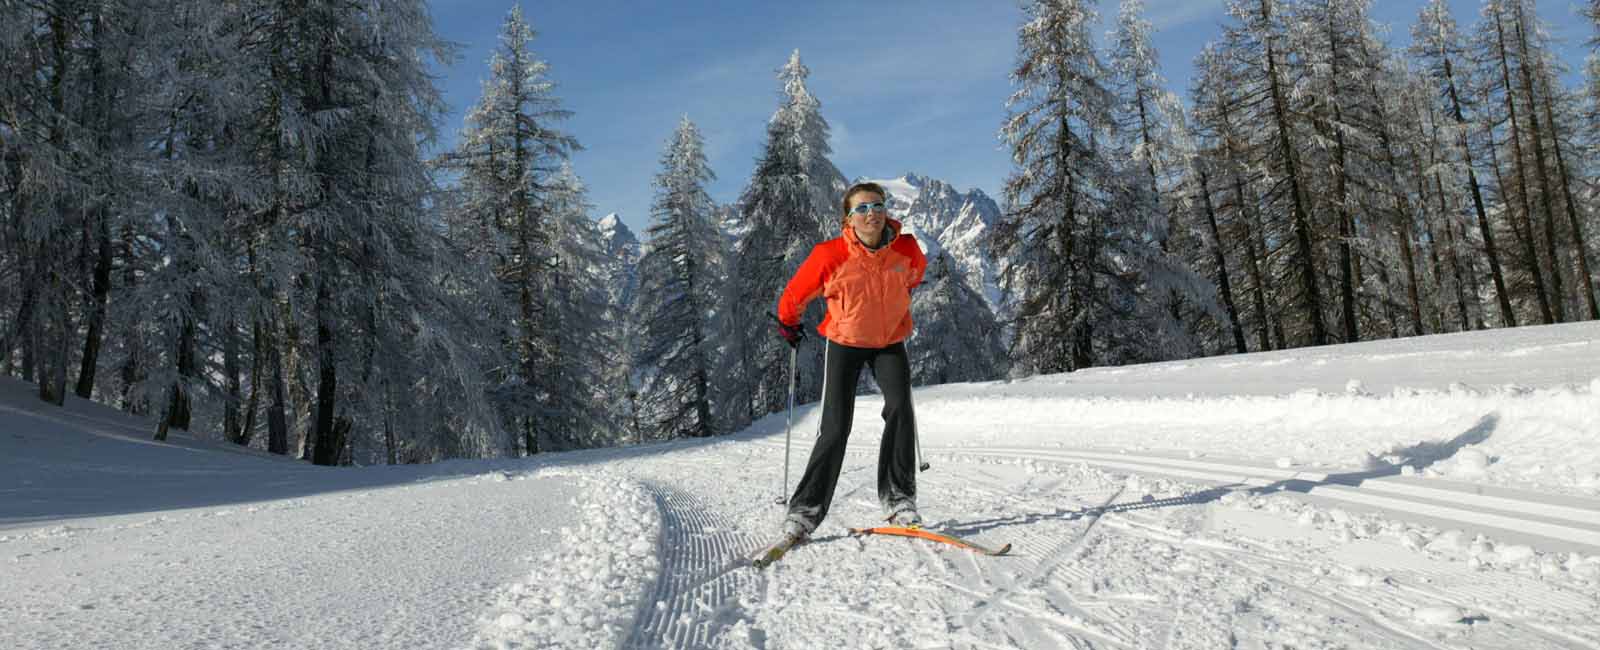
[906,86]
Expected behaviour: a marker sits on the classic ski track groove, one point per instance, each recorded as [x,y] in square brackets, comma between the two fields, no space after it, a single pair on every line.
[1097,620]
[1338,601]
[1367,603]
[1400,502]
[1057,582]
[1035,544]
[1047,565]
[699,580]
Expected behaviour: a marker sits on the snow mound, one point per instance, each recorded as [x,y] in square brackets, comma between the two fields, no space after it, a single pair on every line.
[583,594]
[1439,615]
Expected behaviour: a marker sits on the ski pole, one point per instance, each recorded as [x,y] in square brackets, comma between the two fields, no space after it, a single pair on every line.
[789,426]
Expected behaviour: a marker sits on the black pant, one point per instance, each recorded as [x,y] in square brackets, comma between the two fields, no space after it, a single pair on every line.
[897,476]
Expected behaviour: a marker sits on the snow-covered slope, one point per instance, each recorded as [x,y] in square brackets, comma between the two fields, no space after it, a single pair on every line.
[1436,492]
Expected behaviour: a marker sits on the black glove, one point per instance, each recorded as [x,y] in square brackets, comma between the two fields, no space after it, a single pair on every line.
[792,334]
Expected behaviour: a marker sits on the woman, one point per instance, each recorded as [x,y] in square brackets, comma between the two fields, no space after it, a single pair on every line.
[866,275]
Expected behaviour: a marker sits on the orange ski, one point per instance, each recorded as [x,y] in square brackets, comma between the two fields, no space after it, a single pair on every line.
[932,536]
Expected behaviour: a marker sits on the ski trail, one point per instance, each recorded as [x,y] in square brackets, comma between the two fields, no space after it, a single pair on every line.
[1278,581]
[1047,565]
[696,594]
[1555,522]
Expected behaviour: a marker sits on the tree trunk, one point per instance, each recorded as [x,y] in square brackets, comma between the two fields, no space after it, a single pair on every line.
[1436,261]
[277,418]
[1257,250]
[1454,256]
[1347,292]
[132,371]
[53,378]
[99,228]
[389,444]
[51,247]
[299,396]
[23,325]
[248,430]
[97,311]
[1223,286]
[1407,258]
[179,412]
[232,380]
[326,441]
[165,422]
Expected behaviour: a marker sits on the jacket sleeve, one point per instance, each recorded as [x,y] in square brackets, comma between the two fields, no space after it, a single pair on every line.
[805,286]
[919,262]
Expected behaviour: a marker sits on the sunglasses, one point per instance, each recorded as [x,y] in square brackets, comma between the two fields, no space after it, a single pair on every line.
[865,208]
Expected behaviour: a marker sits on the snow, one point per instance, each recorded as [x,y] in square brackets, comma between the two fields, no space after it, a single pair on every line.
[902,190]
[1417,493]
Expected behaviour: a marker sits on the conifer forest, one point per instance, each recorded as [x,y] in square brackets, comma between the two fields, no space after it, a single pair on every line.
[233,217]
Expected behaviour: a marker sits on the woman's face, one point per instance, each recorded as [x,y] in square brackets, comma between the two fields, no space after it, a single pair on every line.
[870,222]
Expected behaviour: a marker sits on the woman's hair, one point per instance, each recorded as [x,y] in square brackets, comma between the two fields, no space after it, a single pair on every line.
[844,204]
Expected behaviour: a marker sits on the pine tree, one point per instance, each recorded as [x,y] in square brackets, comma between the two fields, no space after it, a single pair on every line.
[1149,119]
[1259,49]
[1223,146]
[1436,42]
[507,157]
[1052,232]
[1495,44]
[679,287]
[578,344]
[790,191]
[803,113]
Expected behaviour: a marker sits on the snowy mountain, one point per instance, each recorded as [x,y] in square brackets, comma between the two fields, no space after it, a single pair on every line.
[955,222]
[620,242]
[622,247]
[1420,493]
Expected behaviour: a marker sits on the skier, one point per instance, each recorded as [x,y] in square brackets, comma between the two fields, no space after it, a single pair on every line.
[866,274]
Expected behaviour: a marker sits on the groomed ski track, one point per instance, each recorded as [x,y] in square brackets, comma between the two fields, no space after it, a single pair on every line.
[1112,550]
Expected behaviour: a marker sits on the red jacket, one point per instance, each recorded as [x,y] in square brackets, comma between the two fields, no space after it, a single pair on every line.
[868,291]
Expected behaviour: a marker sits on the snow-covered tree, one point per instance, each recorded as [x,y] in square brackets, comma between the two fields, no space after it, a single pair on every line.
[1065,276]
[576,336]
[507,159]
[679,288]
[802,112]
[1437,44]
[1149,204]
[1257,51]
[779,220]
[1222,146]
[781,232]
[1509,121]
